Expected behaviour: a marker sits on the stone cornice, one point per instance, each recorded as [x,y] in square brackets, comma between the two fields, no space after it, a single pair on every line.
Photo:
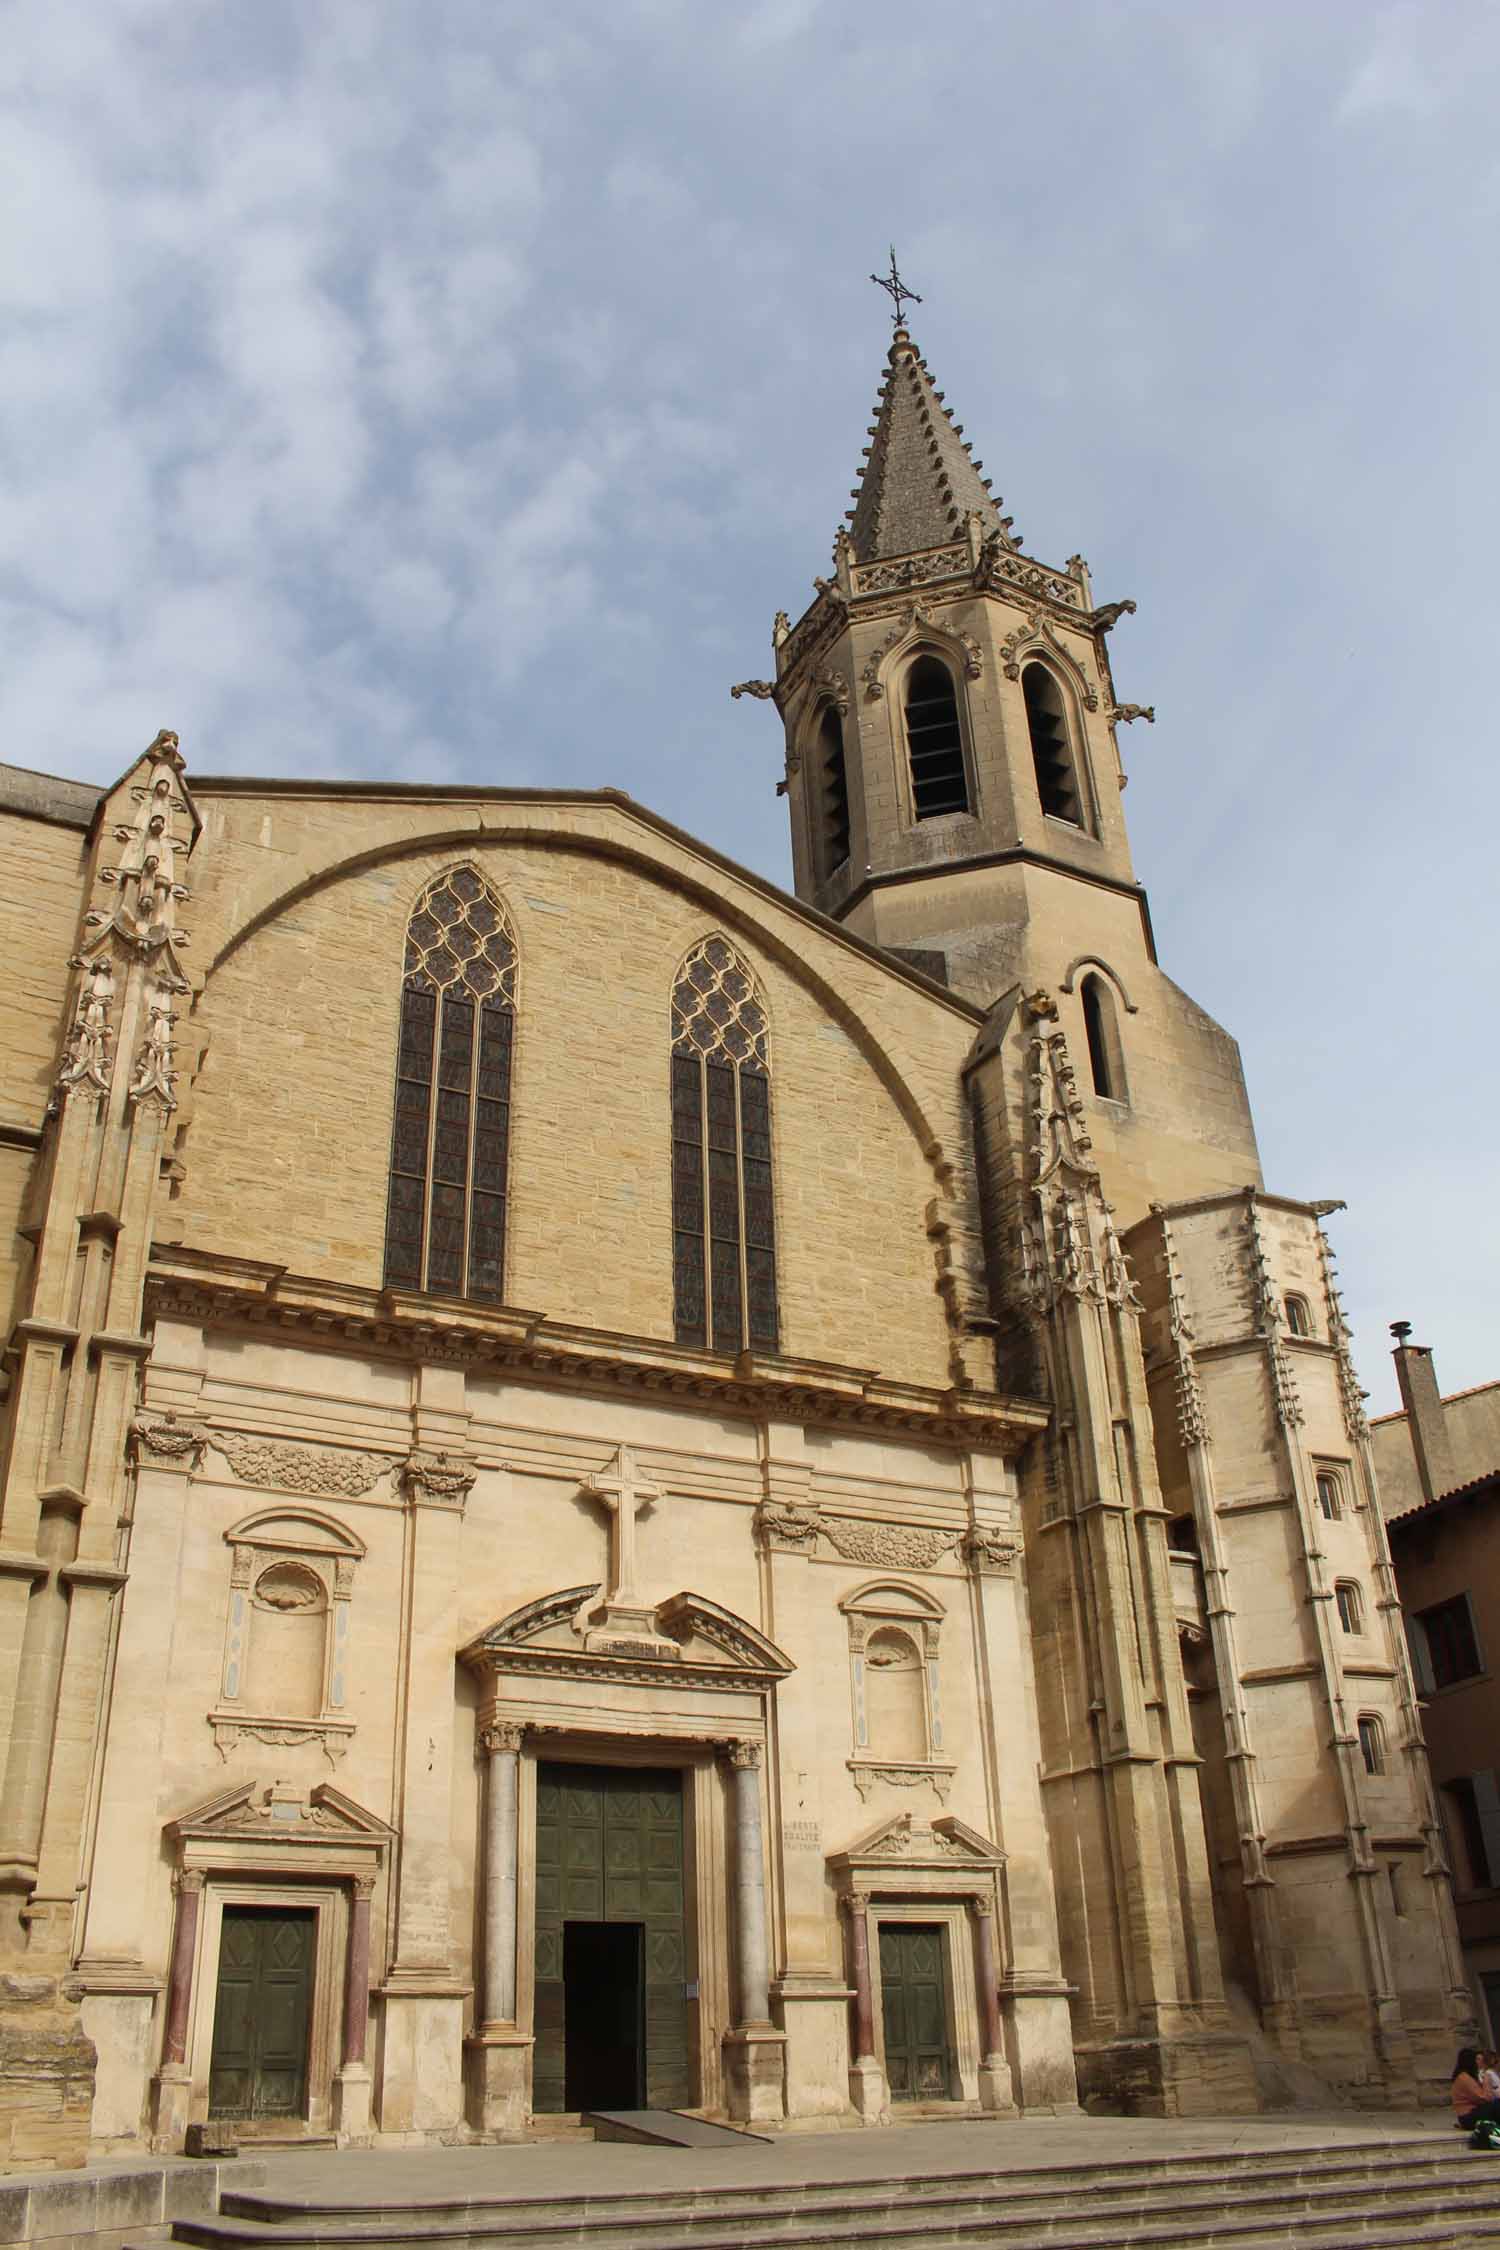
[528,1347]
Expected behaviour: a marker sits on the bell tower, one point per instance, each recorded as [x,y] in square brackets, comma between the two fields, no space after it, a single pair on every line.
[954,782]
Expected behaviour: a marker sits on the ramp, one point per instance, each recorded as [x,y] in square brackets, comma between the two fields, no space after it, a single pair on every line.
[665,2128]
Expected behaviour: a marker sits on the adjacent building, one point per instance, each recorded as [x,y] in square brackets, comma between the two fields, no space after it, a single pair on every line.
[1439,1464]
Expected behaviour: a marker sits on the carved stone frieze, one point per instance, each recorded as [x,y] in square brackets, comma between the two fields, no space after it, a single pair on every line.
[1192,1418]
[86,1057]
[835,687]
[783,1527]
[501,1734]
[1068,1240]
[913,570]
[162,1438]
[989,1551]
[914,620]
[230,1729]
[1038,634]
[1269,1318]
[886,1545]
[913,1775]
[447,1478]
[279,1466]
[1003,569]
[154,1077]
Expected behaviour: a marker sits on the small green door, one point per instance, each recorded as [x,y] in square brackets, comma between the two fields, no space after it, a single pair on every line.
[259,2066]
[914,2009]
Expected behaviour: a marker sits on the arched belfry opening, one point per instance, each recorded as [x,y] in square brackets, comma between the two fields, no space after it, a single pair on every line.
[1057,783]
[934,740]
[833,793]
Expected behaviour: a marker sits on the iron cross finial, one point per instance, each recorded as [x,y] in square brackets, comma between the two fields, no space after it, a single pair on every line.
[896,288]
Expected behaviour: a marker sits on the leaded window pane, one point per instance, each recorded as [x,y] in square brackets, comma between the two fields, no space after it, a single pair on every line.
[451,1129]
[724,1262]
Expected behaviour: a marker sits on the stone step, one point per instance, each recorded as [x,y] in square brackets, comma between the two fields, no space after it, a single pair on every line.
[1418,2158]
[1340,2202]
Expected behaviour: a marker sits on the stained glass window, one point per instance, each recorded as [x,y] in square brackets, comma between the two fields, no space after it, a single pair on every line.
[723,1217]
[445,1219]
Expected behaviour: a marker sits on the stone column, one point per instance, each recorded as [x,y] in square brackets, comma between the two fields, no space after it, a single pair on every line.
[352,2083]
[994,2070]
[502,1747]
[173,2080]
[754,2061]
[753,1980]
[498,2061]
[867,2090]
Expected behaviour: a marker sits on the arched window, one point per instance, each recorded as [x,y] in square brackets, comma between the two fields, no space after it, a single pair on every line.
[445,1218]
[833,791]
[934,740]
[1350,1607]
[1371,1742]
[1298,1316]
[723,1223]
[1102,1031]
[1051,746]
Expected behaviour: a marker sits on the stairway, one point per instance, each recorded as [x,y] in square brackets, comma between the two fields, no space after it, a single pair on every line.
[1427,2192]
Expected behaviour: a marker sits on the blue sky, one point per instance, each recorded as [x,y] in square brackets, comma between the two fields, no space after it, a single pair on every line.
[454,392]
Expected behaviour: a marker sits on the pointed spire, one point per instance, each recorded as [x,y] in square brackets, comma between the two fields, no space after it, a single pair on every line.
[919,481]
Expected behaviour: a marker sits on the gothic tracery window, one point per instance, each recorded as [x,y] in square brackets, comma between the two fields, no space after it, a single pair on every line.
[723,1223]
[445,1219]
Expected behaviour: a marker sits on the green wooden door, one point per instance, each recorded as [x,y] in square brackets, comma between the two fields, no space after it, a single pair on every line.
[914,2008]
[259,2064]
[609,1849]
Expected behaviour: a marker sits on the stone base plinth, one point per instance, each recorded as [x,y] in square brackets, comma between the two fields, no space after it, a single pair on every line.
[353,2091]
[497,2082]
[1038,2028]
[1212,2075]
[46,2076]
[755,2074]
[867,2093]
[171,2092]
[994,2086]
[420,2090]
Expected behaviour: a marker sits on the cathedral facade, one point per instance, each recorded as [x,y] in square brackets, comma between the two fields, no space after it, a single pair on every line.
[625,1490]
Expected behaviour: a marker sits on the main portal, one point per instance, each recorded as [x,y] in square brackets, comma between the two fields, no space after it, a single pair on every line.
[611,1953]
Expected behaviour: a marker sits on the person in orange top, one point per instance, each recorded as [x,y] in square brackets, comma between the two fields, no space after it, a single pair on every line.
[1471,2104]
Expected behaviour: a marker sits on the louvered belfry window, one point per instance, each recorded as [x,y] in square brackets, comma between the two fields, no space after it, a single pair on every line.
[445,1220]
[723,1226]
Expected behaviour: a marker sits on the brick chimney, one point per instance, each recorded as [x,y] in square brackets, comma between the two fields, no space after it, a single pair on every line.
[1425,1414]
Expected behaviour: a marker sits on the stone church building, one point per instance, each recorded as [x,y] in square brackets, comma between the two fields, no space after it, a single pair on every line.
[624,1489]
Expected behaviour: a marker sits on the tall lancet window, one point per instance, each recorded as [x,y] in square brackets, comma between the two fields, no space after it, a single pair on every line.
[723,1224]
[934,740]
[445,1218]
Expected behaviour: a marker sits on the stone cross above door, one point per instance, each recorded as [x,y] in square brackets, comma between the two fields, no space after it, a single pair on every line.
[622,1623]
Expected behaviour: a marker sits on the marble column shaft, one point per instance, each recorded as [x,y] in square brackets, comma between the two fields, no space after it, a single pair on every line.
[180,1975]
[503,1745]
[858,1909]
[753,1964]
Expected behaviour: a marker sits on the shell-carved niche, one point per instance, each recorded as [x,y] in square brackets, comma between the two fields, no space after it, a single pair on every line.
[287,1632]
[895,1634]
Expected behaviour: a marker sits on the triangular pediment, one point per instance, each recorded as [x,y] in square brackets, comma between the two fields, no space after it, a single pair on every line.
[905,1840]
[701,1632]
[282,1814]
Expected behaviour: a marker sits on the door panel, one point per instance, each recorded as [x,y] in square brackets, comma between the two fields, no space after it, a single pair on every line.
[609,1851]
[914,2008]
[262,2013]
